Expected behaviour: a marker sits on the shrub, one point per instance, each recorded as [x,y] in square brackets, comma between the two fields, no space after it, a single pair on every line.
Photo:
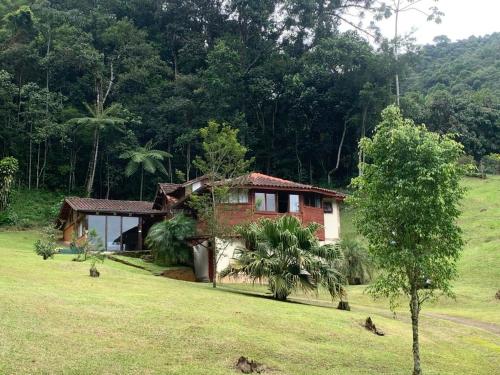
[357,265]
[8,168]
[167,240]
[46,246]
[289,256]
[45,249]
[491,163]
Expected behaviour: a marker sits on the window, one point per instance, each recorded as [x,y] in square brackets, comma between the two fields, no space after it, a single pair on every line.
[236,196]
[312,200]
[116,232]
[327,207]
[294,203]
[98,224]
[265,202]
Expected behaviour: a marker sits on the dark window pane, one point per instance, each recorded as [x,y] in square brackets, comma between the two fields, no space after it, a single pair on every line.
[130,232]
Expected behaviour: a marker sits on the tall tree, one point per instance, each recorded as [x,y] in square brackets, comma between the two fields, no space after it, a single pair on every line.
[406,206]
[147,159]
[223,159]
[100,119]
[395,8]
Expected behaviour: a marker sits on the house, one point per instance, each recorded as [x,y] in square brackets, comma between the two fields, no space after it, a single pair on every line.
[119,224]
[123,224]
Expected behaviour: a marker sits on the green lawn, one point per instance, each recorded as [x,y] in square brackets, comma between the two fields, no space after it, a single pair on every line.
[56,319]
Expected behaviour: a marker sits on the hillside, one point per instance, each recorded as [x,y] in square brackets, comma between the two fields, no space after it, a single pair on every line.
[470,64]
[56,319]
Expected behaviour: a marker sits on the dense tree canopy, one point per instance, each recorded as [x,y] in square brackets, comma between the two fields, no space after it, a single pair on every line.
[300,92]
[455,88]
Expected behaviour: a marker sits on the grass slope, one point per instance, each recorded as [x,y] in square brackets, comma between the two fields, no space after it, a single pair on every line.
[31,209]
[56,319]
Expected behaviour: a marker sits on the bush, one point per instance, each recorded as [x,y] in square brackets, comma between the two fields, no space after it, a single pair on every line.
[46,246]
[167,240]
[8,218]
[289,256]
[357,266]
[491,163]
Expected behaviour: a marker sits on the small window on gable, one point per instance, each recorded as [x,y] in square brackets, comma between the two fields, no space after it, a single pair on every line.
[196,185]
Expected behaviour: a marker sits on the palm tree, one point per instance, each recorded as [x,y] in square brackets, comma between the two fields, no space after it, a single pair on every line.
[357,263]
[147,158]
[289,256]
[98,120]
[167,240]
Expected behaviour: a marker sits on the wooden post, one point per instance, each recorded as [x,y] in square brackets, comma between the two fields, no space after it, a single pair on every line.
[139,234]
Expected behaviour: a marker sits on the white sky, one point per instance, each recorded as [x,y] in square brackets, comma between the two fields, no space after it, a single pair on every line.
[462,19]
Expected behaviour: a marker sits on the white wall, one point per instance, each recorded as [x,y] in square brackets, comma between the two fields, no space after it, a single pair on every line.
[228,247]
[332,223]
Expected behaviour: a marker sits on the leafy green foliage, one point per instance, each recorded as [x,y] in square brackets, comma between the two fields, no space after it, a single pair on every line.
[357,266]
[147,158]
[8,168]
[224,158]
[167,240]
[46,247]
[289,257]
[406,207]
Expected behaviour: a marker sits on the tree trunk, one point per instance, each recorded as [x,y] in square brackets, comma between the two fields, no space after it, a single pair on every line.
[38,166]
[396,51]
[339,153]
[30,156]
[363,133]
[142,182]
[214,242]
[188,160]
[415,310]
[93,162]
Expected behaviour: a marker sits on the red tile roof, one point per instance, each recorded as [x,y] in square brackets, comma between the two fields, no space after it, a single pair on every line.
[256,179]
[168,188]
[108,205]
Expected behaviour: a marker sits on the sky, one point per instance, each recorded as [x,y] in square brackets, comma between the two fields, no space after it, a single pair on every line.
[462,19]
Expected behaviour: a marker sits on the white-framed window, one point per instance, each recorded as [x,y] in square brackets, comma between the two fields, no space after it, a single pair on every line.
[293,203]
[265,202]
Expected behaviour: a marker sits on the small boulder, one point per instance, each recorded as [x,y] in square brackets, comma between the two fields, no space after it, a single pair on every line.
[497,295]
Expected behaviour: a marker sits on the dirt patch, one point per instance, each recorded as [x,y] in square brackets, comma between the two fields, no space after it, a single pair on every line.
[490,327]
[184,273]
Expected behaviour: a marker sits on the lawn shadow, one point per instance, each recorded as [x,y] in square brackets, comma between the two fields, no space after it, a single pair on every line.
[291,300]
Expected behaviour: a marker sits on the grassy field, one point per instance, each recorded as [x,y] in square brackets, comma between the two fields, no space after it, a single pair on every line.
[55,319]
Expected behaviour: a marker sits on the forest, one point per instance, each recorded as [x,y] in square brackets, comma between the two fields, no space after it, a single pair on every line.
[83,83]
